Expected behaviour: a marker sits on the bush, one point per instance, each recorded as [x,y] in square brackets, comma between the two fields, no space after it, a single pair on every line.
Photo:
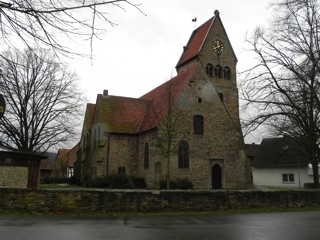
[115,181]
[179,183]
[139,183]
[309,186]
[54,180]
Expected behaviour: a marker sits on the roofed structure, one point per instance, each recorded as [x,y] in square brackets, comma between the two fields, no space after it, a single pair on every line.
[280,152]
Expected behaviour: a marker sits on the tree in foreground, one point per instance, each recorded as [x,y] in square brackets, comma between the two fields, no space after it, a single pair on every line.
[282,89]
[172,125]
[43,102]
[53,23]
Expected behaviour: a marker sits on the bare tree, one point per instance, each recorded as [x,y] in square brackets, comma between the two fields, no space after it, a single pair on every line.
[282,89]
[44,23]
[172,125]
[43,101]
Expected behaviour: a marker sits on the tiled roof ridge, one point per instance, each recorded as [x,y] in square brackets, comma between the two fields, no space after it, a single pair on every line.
[117,96]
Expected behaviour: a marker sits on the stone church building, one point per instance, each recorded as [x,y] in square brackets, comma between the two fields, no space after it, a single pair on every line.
[191,122]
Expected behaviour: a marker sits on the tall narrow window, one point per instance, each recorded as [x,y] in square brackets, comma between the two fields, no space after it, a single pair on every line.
[99,138]
[218,71]
[146,156]
[209,69]
[94,138]
[183,155]
[198,124]
[227,73]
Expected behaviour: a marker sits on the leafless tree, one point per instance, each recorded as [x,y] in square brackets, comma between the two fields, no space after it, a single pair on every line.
[172,125]
[43,101]
[282,89]
[46,23]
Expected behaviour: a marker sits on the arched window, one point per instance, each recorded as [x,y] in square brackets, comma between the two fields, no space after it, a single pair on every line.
[198,124]
[209,69]
[218,71]
[99,138]
[227,73]
[94,138]
[146,156]
[183,155]
[121,170]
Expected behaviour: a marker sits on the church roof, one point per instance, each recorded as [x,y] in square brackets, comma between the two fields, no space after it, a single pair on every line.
[136,115]
[122,114]
[195,42]
[160,96]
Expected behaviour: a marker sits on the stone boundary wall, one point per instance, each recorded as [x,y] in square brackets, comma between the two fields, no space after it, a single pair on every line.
[135,201]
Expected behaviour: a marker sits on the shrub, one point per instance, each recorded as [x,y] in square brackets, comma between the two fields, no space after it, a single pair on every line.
[115,181]
[179,183]
[54,180]
[139,183]
[309,186]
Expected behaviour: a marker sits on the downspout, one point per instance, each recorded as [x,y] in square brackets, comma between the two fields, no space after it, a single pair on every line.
[108,149]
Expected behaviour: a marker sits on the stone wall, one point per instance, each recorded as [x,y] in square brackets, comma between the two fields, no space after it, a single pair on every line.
[132,201]
[13,176]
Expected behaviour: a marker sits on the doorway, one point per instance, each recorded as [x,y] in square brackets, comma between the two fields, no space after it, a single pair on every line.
[216,177]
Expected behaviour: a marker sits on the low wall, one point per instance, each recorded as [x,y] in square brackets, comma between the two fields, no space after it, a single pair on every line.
[110,201]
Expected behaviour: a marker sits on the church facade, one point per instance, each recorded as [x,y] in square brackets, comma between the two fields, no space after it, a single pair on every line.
[188,127]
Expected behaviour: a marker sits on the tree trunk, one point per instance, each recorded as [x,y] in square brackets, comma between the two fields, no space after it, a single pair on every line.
[315,174]
[168,171]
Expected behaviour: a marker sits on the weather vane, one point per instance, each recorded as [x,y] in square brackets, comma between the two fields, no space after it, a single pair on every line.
[195,22]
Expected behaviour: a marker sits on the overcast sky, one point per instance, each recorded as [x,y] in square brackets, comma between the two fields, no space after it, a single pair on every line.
[141,52]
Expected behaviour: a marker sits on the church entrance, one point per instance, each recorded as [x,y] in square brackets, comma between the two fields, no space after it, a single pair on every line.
[216,177]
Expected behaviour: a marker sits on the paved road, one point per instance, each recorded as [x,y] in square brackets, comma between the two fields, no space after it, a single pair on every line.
[266,226]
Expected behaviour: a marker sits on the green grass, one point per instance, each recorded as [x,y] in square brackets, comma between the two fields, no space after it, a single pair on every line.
[56,186]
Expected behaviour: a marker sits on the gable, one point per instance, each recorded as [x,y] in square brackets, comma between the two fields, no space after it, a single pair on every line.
[195,42]
[209,31]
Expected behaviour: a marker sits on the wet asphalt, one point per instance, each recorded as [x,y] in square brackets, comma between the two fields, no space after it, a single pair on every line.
[258,226]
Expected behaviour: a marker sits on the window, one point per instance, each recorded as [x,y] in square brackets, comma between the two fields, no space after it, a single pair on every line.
[220,96]
[227,73]
[218,71]
[288,178]
[146,156]
[198,124]
[183,155]
[99,139]
[121,170]
[209,69]
[94,138]
[199,100]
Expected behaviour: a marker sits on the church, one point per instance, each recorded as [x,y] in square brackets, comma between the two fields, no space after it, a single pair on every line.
[188,127]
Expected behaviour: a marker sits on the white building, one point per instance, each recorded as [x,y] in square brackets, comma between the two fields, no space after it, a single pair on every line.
[280,162]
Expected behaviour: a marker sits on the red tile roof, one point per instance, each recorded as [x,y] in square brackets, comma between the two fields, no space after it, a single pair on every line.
[160,96]
[122,114]
[131,115]
[195,42]
[72,155]
[46,165]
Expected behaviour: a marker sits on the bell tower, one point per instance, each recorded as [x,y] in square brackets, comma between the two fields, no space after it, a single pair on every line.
[215,93]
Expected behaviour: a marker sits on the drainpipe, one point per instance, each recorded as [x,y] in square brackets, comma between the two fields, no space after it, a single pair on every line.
[108,149]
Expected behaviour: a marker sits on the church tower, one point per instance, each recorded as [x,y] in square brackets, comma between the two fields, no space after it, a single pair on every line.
[213,95]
